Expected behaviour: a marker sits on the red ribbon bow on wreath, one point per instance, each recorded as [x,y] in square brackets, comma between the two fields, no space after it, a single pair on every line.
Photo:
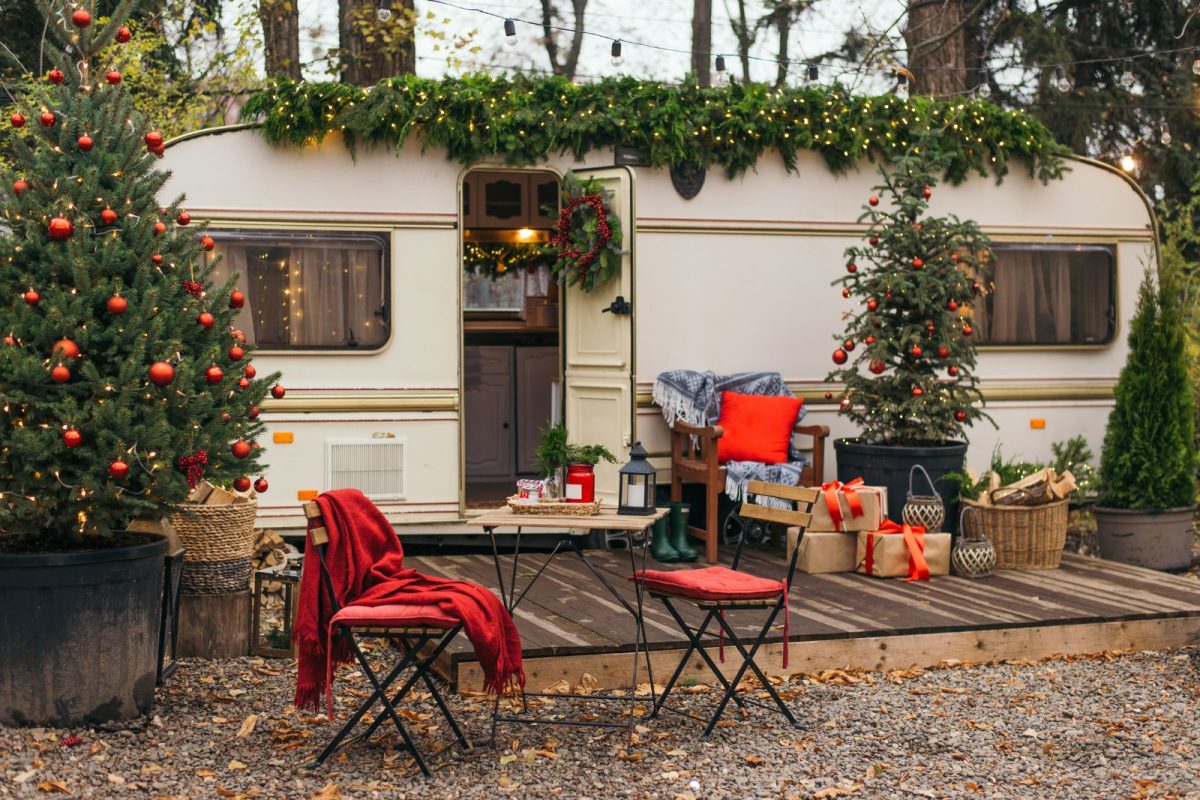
[193,466]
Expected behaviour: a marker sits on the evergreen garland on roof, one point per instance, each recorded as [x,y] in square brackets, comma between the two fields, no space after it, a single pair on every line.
[527,119]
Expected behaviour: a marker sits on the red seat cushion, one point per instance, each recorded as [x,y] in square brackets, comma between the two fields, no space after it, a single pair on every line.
[756,428]
[710,583]
[401,616]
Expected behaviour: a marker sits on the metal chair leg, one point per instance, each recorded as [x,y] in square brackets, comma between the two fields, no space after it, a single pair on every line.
[391,710]
[748,663]
[694,644]
[762,678]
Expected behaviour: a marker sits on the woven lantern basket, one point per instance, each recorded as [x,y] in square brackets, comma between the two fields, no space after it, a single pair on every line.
[925,510]
[1025,537]
[219,546]
[975,556]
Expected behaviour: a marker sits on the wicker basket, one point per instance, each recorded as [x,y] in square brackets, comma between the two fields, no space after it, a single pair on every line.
[219,546]
[1025,537]
[554,507]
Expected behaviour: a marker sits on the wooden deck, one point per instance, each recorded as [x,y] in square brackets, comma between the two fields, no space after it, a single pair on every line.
[570,626]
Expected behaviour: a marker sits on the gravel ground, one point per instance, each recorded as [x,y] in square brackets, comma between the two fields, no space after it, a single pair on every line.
[1122,725]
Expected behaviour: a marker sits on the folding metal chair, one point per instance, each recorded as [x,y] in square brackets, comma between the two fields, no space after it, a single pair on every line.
[421,633]
[716,590]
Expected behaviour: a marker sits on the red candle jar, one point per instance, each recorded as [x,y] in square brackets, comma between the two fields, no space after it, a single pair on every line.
[581,484]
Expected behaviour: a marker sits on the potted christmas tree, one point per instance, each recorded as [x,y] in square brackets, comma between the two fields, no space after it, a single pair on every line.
[120,381]
[1148,465]
[907,355]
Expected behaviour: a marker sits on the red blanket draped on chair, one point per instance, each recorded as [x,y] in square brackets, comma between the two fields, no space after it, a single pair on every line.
[366,564]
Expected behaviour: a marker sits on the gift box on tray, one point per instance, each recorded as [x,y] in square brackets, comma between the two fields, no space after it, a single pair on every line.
[902,551]
[849,507]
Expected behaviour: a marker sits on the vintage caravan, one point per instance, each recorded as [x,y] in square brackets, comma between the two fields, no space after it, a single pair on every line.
[420,371]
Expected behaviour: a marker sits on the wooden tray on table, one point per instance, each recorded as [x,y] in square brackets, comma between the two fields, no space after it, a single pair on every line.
[555,507]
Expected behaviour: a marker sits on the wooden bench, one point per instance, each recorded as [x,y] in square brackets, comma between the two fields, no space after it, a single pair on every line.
[694,460]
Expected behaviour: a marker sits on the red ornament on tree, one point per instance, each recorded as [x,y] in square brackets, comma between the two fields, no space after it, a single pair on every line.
[161,373]
[278,392]
[156,259]
[960,415]
[846,291]
[20,186]
[952,305]
[943,351]
[870,339]
[60,374]
[226,416]
[236,299]
[17,120]
[917,391]
[72,437]
[915,351]
[124,34]
[240,448]
[241,483]
[67,348]
[236,353]
[253,413]
[113,77]
[927,193]
[47,119]
[214,374]
[852,267]
[206,320]
[952,371]
[85,143]
[918,263]
[249,371]
[154,139]
[966,330]
[839,356]
[873,200]
[118,469]
[243,383]
[81,18]
[207,243]
[117,305]
[874,240]
[237,334]
[954,257]
[159,228]
[261,485]
[848,345]
[872,304]
[55,76]
[877,367]
[60,228]
[193,466]
[108,216]
[184,218]
[32,297]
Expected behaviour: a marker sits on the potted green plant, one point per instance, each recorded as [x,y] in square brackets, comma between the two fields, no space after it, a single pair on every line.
[906,358]
[119,380]
[551,457]
[1148,465]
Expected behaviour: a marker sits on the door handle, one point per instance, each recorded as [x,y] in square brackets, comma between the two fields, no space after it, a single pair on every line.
[619,306]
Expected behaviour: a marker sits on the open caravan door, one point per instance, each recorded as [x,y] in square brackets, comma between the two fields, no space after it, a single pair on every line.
[598,368]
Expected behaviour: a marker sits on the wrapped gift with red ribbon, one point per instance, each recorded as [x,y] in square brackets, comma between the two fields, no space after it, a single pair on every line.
[906,551]
[849,507]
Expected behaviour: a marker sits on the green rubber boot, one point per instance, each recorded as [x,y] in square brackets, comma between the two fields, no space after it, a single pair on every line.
[679,533]
[660,543]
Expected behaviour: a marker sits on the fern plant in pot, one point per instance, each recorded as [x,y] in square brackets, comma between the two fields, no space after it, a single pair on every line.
[907,354]
[1148,466]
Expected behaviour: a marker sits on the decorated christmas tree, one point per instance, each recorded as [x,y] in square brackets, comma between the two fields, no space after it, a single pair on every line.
[123,381]
[907,356]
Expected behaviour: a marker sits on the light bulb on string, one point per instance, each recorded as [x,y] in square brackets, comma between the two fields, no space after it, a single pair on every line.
[901,86]
[722,73]
[984,88]
[1061,81]
[510,32]
[813,73]
[1164,134]
[1196,61]
[616,53]
[1127,75]
[384,12]
[1127,162]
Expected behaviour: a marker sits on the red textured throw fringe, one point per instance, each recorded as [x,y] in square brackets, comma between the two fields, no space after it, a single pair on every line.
[366,565]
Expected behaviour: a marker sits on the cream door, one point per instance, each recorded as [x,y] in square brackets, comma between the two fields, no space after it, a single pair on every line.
[598,368]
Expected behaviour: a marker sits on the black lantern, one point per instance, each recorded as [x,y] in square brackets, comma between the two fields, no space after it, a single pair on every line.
[637,484]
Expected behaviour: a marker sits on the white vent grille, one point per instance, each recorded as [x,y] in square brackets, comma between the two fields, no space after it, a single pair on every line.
[373,466]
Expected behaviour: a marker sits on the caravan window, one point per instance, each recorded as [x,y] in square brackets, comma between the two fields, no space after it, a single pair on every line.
[1048,295]
[310,289]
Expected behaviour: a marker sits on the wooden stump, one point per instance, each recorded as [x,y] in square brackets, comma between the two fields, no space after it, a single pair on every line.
[214,625]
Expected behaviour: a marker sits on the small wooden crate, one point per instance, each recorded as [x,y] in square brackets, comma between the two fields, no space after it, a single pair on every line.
[554,507]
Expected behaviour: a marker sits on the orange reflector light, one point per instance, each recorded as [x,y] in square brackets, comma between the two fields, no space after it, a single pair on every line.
[1037,423]
[307,494]
[283,437]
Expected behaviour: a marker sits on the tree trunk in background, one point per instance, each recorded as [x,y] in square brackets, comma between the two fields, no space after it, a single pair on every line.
[558,65]
[937,50]
[372,50]
[281,37]
[745,32]
[702,41]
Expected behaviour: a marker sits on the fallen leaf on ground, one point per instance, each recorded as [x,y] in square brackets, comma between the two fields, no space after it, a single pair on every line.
[508,759]
[115,778]
[330,791]
[56,787]
[234,764]
[837,791]
[753,761]
[247,726]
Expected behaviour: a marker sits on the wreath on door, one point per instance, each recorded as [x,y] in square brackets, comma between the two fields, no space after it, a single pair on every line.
[587,238]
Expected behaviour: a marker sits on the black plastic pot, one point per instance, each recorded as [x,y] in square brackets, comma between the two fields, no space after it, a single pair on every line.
[1152,538]
[889,465]
[79,634]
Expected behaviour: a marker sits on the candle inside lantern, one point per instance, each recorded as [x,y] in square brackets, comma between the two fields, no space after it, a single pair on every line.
[636,494]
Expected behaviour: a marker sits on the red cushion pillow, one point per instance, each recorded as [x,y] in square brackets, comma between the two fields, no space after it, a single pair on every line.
[400,615]
[710,583]
[757,428]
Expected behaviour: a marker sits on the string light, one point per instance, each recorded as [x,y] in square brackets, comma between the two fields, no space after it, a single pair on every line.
[1061,80]
[616,53]
[984,87]
[1127,162]
[1196,61]
[1127,76]
[901,85]
[722,74]
[384,12]
[510,32]
[813,73]
[1164,135]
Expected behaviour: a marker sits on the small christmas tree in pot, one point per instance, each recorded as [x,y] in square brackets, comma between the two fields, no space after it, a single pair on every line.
[1148,466]
[907,355]
[122,384]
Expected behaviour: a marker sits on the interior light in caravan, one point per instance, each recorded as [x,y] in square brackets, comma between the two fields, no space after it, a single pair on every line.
[525,234]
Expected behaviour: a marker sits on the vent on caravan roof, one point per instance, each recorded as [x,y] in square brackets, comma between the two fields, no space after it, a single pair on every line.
[373,466]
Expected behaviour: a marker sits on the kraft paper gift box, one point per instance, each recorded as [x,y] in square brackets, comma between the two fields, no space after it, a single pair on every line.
[850,497]
[823,552]
[892,553]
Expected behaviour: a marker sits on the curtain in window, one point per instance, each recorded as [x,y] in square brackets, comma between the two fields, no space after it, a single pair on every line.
[1029,298]
[233,260]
